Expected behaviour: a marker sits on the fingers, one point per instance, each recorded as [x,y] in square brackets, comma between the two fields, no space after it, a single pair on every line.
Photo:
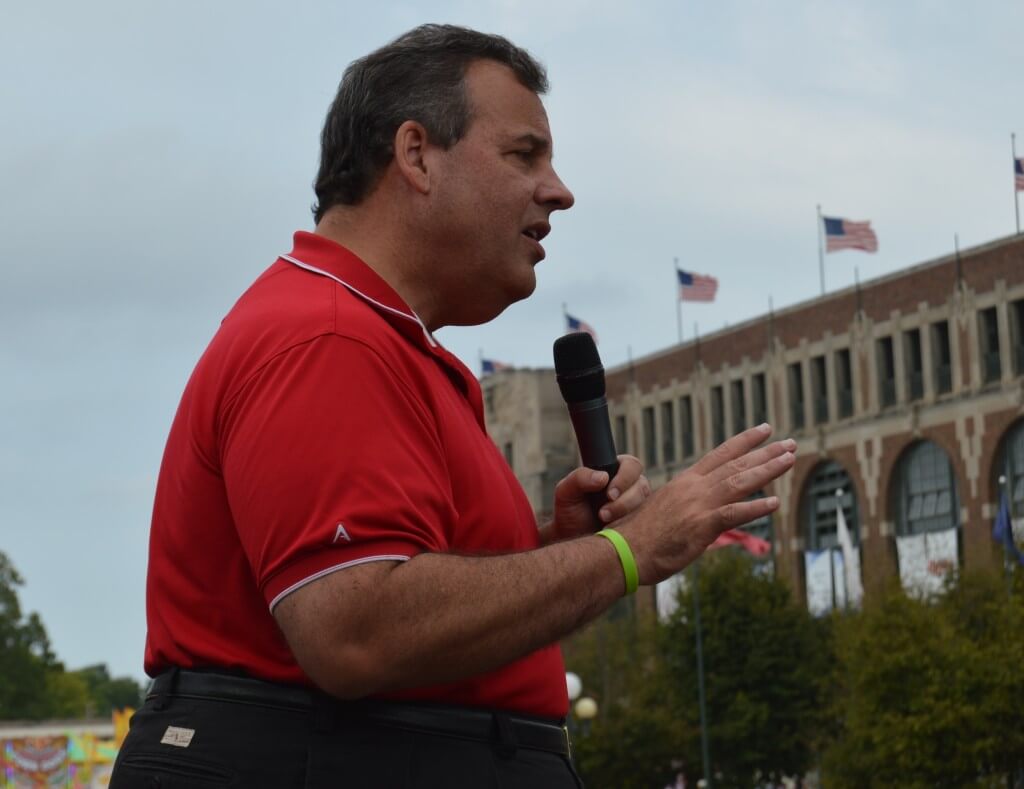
[626,502]
[630,470]
[744,483]
[739,513]
[753,459]
[735,447]
[580,481]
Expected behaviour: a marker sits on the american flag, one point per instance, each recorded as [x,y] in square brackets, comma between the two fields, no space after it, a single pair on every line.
[488,366]
[844,234]
[575,324]
[745,540]
[1018,174]
[696,287]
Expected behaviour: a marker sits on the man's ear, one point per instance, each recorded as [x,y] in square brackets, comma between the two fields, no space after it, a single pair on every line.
[411,155]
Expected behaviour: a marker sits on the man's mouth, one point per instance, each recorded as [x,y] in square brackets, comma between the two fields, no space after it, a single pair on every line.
[537,231]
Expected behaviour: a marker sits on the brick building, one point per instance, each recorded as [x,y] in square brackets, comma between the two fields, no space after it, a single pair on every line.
[905,395]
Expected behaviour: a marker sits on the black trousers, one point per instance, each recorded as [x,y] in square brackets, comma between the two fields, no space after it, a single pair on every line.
[180,741]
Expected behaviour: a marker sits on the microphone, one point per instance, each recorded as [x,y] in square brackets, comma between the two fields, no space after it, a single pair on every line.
[581,378]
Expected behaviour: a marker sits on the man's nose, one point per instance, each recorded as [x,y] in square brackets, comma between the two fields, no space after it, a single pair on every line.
[555,194]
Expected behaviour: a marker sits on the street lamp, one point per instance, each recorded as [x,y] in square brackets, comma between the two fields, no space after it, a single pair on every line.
[586,711]
[573,685]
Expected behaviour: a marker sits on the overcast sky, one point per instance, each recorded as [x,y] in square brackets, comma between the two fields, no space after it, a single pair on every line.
[156,157]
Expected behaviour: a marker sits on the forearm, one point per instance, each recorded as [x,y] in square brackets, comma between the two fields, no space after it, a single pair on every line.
[437,618]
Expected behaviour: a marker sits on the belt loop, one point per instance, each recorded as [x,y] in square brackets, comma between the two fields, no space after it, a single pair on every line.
[506,738]
[164,699]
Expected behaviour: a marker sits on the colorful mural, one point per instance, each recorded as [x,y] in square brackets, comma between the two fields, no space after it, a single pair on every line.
[73,760]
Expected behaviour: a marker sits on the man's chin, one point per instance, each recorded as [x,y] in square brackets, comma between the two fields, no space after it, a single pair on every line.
[486,310]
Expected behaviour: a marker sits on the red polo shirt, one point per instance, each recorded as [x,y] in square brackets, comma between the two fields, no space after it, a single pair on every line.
[324,427]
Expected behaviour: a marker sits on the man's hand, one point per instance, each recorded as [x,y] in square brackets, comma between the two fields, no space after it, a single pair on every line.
[685,516]
[574,515]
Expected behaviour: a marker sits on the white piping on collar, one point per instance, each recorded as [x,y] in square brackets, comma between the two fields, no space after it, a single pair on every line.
[413,317]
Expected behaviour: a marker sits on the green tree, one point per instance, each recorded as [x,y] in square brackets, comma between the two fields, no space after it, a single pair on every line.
[33,684]
[637,736]
[108,693]
[767,667]
[931,693]
[25,656]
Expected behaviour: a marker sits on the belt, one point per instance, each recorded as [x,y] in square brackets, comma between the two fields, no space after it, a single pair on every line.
[460,722]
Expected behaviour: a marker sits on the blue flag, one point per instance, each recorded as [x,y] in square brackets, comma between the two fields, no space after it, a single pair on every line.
[1003,531]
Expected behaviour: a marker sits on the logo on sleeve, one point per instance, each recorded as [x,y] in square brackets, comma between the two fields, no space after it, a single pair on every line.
[341,534]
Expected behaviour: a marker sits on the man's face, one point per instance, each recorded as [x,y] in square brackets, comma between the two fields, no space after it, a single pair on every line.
[496,190]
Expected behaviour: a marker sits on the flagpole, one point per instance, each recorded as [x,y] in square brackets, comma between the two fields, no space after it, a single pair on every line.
[1016,200]
[821,254]
[565,317]
[705,744]
[959,265]
[856,285]
[679,301]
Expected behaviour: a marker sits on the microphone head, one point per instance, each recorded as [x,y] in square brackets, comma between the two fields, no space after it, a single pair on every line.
[578,367]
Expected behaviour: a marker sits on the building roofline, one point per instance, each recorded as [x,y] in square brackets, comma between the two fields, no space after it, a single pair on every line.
[831,295]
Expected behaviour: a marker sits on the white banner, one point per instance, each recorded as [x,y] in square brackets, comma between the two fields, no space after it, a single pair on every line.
[826,581]
[666,595]
[925,560]
[818,567]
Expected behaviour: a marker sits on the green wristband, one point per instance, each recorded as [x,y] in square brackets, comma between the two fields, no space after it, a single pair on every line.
[625,556]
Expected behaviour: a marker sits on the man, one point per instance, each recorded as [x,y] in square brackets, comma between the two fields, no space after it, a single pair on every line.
[347,586]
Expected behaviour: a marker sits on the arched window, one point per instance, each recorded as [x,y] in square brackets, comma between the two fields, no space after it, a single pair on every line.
[832,578]
[1011,467]
[926,491]
[820,505]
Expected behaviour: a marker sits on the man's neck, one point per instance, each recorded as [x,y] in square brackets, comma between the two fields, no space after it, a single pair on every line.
[380,242]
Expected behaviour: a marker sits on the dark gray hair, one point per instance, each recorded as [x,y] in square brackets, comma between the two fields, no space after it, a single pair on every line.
[419,76]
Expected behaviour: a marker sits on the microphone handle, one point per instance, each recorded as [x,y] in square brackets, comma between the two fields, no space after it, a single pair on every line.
[597,447]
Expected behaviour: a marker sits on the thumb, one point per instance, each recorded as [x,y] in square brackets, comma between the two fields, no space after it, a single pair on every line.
[582,480]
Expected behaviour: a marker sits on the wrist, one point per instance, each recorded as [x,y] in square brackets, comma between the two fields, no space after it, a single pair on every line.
[627,561]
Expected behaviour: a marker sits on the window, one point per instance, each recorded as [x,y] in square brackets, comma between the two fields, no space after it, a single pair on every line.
[686,422]
[927,495]
[507,451]
[717,415]
[1017,335]
[668,433]
[942,358]
[820,505]
[796,396]
[650,440]
[886,372]
[844,383]
[1012,467]
[988,336]
[913,364]
[739,407]
[621,436]
[759,399]
[819,390]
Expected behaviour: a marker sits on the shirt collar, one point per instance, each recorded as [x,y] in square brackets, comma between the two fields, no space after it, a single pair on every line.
[320,255]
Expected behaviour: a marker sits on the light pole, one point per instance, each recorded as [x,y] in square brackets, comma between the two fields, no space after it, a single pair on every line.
[586,711]
[1007,561]
[705,739]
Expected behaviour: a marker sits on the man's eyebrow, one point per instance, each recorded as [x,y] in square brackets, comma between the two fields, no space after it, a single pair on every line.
[535,140]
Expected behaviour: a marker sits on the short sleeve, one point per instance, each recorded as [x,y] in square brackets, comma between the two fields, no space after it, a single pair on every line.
[330,460]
